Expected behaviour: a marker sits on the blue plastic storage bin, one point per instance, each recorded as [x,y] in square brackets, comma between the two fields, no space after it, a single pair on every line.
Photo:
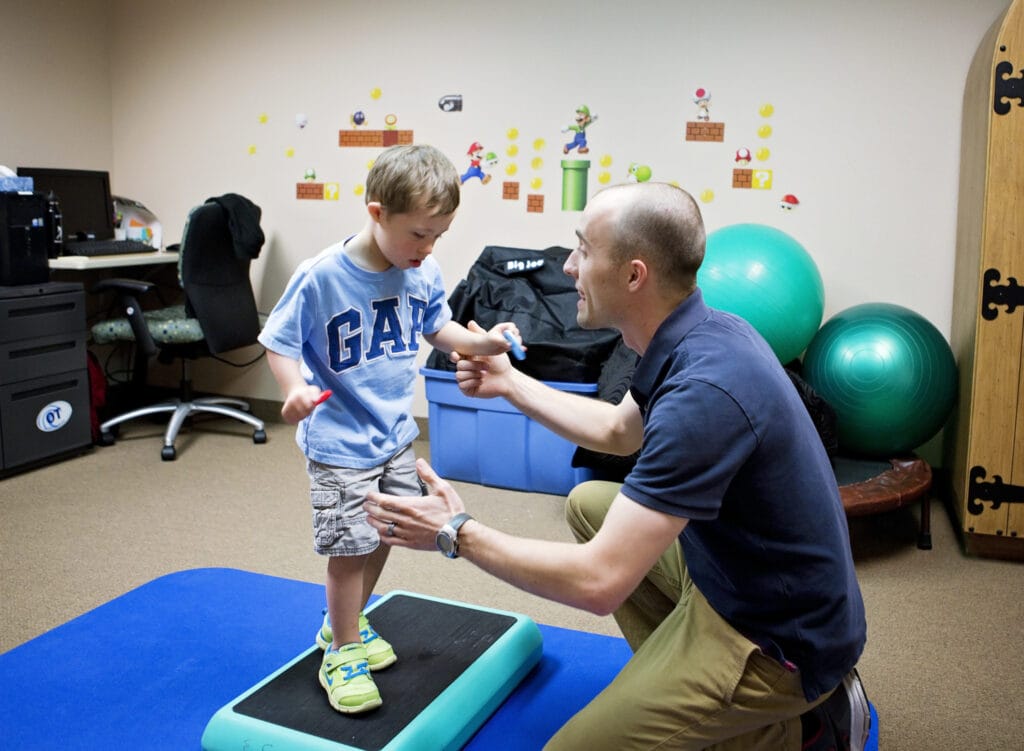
[490,442]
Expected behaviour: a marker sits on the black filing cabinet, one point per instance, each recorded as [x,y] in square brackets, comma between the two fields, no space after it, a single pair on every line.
[44,376]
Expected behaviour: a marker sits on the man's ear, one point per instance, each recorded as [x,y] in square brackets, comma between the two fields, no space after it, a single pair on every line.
[638,274]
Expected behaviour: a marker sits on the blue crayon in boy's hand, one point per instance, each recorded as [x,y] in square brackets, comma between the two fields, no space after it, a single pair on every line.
[517,349]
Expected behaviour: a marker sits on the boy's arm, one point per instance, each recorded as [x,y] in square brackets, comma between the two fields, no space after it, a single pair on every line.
[299,397]
[454,337]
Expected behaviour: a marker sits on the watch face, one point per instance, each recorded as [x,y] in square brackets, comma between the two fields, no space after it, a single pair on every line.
[445,543]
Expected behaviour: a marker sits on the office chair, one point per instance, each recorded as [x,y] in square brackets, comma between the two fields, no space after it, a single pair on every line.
[220,239]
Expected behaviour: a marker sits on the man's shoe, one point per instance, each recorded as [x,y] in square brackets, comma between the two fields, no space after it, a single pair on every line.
[345,676]
[842,721]
[379,652]
[860,710]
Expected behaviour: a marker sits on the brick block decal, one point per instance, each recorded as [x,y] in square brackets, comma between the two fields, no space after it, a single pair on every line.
[705,131]
[535,203]
[510,191]
[308,190]
[374,138]
[742,178]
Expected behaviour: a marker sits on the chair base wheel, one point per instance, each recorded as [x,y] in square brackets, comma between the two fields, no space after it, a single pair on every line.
[106,438]
[168,454]
[259,436]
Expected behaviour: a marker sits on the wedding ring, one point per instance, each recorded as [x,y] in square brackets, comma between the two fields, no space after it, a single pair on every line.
[391,529]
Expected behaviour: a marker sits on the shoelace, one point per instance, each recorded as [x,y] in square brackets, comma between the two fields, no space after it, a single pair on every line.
[368,634]
[355,670]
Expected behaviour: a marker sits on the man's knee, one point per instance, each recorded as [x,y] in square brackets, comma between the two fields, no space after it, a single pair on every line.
[587,505]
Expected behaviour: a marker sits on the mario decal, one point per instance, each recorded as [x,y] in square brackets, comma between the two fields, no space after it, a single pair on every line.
[476,158]
[583,120]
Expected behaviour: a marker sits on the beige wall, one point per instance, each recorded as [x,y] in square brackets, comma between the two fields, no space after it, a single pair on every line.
[56,84]
[169,96]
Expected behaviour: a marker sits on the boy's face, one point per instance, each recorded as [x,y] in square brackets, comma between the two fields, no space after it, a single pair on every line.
[405,240]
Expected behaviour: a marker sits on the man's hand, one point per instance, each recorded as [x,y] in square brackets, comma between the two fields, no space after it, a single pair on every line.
[414,521]
[482,377]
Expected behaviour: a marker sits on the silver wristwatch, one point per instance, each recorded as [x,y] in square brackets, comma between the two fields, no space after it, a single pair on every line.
[448,538]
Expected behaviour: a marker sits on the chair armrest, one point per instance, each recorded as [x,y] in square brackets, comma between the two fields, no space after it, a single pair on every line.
[127,291]
[136,286]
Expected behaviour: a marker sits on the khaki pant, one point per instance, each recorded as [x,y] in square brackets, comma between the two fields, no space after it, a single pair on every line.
[693,682]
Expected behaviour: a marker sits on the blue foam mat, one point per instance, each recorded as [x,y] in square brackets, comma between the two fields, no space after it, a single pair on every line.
[153,666]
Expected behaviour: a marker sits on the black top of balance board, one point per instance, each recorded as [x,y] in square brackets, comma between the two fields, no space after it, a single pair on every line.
[435,643]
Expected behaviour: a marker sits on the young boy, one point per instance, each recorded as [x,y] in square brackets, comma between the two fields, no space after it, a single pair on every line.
[351,322]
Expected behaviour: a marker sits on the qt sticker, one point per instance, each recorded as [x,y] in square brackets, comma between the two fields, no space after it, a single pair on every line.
[53,416]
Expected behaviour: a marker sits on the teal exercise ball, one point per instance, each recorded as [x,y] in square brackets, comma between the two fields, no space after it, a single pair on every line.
[768,278]
[888,373]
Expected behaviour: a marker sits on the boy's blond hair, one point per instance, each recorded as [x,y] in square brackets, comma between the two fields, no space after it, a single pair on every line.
[410,178]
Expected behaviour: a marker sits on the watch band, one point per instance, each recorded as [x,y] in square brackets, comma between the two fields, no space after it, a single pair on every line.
[458,520]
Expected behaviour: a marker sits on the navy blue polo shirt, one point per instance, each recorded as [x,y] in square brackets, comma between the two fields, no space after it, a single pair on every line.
[729,445]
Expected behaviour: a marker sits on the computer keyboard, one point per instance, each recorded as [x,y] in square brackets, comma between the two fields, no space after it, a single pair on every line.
[105,247]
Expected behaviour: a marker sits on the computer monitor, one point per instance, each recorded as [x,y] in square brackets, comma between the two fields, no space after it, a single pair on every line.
[85,203]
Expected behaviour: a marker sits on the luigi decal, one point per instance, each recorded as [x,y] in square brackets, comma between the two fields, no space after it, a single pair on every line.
[582,121]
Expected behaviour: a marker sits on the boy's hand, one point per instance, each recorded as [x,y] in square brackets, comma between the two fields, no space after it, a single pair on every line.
[504,337]
[497,341]
[300,402]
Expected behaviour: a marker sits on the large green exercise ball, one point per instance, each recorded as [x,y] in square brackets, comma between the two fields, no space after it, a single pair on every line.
[888,373]
[766,277]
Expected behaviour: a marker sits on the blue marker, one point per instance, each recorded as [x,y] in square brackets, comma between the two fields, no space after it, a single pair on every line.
[517,349]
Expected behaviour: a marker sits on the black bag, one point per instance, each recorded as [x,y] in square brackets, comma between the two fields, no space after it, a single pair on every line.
[529,288]
[612,387]
[824,416]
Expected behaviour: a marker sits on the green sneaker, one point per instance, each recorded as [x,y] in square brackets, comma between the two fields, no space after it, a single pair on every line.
[345,676]
[379,652]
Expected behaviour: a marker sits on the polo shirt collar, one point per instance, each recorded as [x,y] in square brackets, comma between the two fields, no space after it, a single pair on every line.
[672,330]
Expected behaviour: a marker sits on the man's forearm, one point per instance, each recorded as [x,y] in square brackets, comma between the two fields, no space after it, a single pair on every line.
[556,571]
[585,421]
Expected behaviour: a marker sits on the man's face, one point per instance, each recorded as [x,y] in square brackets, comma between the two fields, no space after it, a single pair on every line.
[600,280]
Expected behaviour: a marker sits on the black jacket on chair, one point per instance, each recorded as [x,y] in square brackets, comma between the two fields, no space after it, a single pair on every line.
[221,238]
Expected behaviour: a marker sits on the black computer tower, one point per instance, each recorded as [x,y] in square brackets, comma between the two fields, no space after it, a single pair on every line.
[26,236]
[45,411]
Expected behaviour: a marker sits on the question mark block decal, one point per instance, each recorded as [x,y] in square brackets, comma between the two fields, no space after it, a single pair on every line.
[762,179]
[331,191]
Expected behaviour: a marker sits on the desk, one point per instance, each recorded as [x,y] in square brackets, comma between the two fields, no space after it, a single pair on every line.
[90,263]
[159,267]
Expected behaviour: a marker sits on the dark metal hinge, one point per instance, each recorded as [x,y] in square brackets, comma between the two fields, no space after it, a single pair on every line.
[1010,294]
[996,492]
[1007,88]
